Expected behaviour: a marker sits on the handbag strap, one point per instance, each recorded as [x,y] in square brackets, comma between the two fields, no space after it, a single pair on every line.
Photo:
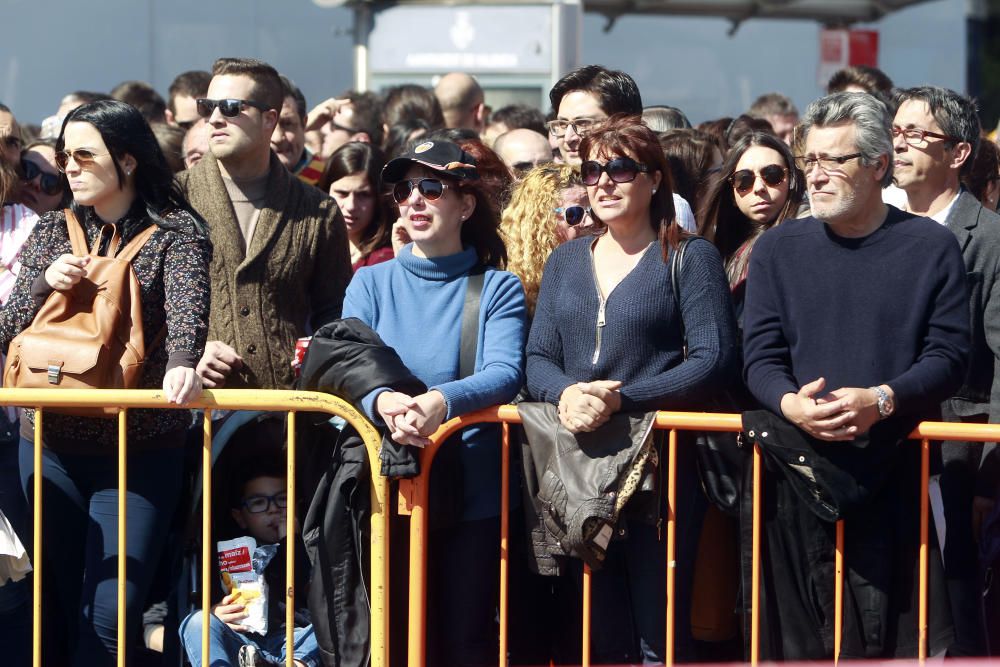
[78,239]
[470,322]
[676,262]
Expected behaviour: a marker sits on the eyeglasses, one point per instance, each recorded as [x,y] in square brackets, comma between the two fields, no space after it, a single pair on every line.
[229,107]
[573,215]
[826,163]
[258,504]
[13,142]
[430,189]
[83,157]
[620,170]
[743,180]
[581,126]
[50,184]
[914,135]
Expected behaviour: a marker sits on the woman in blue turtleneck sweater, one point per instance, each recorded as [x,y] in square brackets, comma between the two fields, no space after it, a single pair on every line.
[415,304]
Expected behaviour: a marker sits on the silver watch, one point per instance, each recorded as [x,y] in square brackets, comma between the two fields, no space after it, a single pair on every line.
[885,404]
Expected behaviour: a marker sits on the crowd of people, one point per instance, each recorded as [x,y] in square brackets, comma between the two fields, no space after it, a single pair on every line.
[831,273]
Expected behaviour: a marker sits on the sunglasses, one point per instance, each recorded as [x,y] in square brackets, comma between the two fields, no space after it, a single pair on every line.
[229,107]
[83,157]
[430,189]
[573,215]
[50,184]
[743,180]
[620,170]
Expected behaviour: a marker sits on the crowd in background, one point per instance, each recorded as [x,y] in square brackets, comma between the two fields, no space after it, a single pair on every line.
[616,248]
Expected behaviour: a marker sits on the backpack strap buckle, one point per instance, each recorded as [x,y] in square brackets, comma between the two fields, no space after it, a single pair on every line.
[55,371]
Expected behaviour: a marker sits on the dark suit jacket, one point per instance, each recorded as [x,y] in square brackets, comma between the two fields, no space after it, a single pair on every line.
[978,233]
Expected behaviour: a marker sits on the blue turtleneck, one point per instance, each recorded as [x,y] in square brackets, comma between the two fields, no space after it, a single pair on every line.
[415,305]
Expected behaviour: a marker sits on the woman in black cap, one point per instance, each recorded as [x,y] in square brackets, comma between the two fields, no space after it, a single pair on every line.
[416,303]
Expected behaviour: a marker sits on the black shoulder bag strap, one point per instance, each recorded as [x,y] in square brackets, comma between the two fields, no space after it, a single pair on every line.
[717,453]
[470,322]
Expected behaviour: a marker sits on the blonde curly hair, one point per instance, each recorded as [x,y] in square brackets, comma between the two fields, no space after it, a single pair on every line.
[528,224]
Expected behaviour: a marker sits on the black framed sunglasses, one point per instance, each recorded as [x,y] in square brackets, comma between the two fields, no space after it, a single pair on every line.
[50,184]
[743,180]
[573,215]
[259,504]
[83,157]
[229,107]
[620,170]
[430,189]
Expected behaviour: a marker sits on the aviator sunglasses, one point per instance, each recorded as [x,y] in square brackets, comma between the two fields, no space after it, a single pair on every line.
[620,170]
[83,157]
[743,180]
[573,215]
[229,107]
[430,189]
[50,184]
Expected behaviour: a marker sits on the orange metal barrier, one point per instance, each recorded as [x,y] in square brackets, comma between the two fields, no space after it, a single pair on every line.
[227,399]
[414,494]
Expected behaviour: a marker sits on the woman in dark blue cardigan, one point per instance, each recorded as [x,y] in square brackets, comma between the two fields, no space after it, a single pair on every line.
[608,336]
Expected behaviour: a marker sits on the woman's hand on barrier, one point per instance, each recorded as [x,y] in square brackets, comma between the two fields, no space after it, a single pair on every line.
[231,613]
[585,406]
[217,363]
[393,406]
[826,416]
[428,411]
[182,385]
[66,272]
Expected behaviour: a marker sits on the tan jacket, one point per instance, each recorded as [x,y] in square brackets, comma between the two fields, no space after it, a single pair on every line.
[295,271]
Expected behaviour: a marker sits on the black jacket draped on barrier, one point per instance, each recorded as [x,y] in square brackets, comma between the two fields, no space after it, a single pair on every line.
[348,359]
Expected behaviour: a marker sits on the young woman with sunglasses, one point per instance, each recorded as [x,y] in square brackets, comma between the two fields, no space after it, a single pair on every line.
[121,183]
[548,207]
[415,304]
[43,188]
[608,336]
[757,187]
[352,179]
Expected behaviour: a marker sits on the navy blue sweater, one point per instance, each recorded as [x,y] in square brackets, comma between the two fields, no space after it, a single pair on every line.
[890,308]
[641,343]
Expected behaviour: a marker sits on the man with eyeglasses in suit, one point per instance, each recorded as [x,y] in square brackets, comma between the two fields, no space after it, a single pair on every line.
[280,264]
[936,134]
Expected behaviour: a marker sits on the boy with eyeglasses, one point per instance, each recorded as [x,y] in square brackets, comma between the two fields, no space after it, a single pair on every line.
[258,507]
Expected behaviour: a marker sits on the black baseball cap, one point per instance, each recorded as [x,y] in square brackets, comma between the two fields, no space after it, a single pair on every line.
[444,157]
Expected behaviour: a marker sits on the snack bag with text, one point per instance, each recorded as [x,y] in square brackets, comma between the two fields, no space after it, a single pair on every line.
[241,568]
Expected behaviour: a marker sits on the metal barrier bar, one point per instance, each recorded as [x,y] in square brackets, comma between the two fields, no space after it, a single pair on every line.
[758,472]
[671,543]
[290,544]
[122,543]
[838,592]
[228,399]
[504,537]
[925,468]
[206,532]
[587,601]
[36,611]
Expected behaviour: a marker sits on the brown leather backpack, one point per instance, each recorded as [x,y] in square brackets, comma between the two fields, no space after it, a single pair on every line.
[89,337]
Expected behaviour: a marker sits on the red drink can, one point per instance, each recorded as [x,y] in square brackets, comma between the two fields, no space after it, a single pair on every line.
[301,345]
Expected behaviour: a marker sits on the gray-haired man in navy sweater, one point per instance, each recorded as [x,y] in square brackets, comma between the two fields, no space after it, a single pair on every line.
[856,327]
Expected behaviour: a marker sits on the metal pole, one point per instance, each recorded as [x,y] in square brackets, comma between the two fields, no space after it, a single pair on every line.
[122,543]
[362,30]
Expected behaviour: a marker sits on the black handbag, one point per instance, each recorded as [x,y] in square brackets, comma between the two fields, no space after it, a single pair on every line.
[720,455]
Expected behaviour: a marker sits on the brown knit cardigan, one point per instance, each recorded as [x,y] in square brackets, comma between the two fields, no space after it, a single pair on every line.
[295,271]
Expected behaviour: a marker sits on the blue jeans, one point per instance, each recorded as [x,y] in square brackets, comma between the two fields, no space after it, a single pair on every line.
[80,538]
[224,643]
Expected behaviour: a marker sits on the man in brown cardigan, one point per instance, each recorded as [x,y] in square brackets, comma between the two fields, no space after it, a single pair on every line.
[280,258]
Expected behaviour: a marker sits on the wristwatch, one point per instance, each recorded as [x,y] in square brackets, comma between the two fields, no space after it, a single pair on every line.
[886,406]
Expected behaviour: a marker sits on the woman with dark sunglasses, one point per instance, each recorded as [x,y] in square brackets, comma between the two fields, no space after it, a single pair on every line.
[352,179]
[608,336]
[415,303]
[121,186]
[43,188]
[757,187]
[547,207]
